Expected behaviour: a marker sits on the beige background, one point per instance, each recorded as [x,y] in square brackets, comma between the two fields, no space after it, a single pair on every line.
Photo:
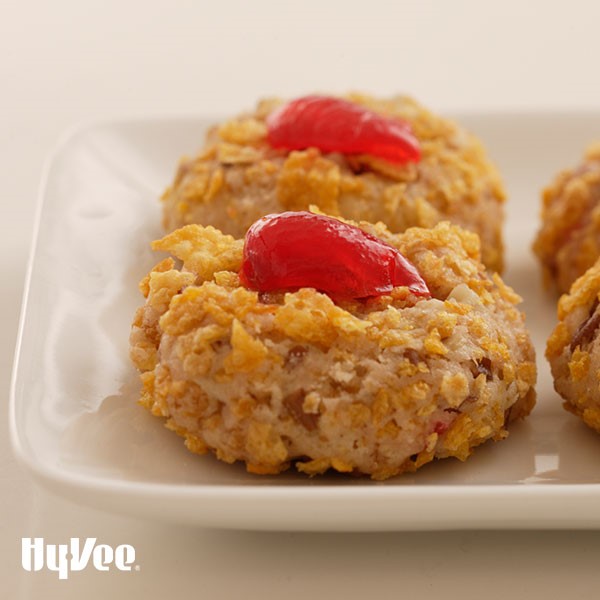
[67,61]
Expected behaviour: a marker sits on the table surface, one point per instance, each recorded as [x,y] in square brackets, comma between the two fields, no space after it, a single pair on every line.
[66,62]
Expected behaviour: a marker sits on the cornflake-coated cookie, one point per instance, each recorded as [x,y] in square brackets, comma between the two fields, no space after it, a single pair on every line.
[573,349]
[238,178]
[568,242]
[377,386]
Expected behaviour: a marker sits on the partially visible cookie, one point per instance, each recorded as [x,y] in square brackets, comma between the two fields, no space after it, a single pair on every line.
[568,242]
[573,349]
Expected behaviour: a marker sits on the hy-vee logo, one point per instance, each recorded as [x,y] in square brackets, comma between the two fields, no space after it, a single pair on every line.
[65,558]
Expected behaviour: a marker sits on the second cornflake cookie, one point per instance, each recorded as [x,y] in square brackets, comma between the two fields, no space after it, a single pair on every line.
[356,157]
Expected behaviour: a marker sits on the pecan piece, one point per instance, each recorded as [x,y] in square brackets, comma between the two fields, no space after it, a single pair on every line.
[412,356]
[293,404]
[483,366]
[295,356]
[587,330]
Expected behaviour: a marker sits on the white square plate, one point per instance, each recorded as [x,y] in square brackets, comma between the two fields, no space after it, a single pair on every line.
[75,422]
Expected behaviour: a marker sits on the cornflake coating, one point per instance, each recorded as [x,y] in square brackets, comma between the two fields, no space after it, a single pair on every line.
[377,387]
[568,242]
[239,178]
[573,349]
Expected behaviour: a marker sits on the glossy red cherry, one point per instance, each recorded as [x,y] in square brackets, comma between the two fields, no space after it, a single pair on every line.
[292,250]
[337,125]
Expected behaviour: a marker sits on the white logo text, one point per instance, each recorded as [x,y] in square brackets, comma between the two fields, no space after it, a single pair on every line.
[65,558]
